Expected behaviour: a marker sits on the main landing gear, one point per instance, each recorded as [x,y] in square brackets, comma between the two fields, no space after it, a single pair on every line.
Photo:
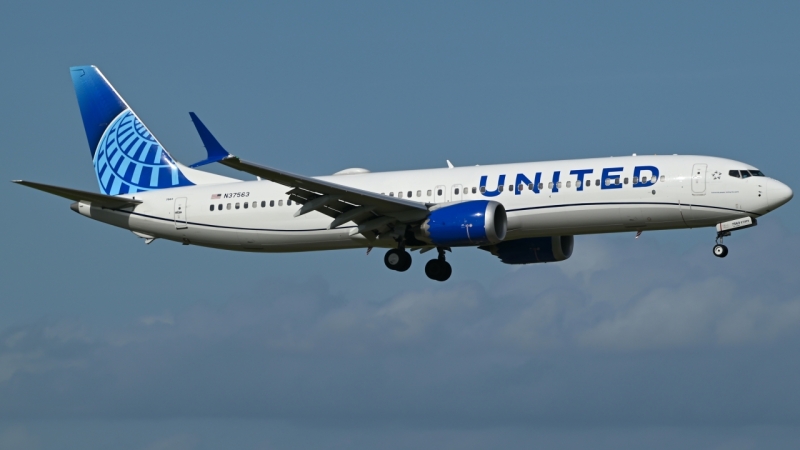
[397,259]
[438,269]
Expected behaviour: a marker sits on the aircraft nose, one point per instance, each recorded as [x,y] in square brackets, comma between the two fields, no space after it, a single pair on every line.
[778,193]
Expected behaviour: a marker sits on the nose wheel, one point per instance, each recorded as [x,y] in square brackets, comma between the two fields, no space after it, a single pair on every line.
[720,250]
[438,269]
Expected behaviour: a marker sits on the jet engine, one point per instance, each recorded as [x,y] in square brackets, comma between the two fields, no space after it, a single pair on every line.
[533,250]
[478,222]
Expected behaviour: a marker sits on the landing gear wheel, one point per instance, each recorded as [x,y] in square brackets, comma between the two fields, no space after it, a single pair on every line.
[398,260]
[438,269]
[720,251]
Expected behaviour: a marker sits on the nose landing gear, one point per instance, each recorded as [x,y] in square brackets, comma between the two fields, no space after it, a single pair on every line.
[438,269]
[720,250]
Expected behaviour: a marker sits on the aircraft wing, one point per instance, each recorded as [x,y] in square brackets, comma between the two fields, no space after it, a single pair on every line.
[338,201]
[107,201]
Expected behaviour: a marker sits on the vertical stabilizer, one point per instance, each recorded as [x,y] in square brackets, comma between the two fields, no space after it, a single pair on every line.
[127,157]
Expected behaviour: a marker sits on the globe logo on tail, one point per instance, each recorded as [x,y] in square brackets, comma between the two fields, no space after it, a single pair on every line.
[128,159]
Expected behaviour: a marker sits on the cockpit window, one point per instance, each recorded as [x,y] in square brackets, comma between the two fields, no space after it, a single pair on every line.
[745,173]
[734,173]
[757,173]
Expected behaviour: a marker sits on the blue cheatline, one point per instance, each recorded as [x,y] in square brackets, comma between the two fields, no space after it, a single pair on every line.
[127,157]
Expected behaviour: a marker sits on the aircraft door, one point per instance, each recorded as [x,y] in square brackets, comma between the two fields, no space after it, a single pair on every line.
[180,213]
[699,179]
[456,192]
[439,195]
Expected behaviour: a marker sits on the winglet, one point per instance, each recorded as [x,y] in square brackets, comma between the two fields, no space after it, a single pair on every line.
[215,151]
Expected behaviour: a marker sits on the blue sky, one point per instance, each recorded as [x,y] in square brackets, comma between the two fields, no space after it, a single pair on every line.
[106,342]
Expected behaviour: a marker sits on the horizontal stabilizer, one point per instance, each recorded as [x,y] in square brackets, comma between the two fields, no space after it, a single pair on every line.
[215,150]
[107,201]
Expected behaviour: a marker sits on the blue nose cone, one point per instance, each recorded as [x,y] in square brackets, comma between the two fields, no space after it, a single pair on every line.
[778,194]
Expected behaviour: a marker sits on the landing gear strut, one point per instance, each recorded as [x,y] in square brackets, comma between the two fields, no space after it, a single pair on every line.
[720,250]
[438,269]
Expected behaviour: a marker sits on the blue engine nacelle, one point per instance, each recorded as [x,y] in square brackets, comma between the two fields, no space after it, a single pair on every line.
[533,250]
[478,222]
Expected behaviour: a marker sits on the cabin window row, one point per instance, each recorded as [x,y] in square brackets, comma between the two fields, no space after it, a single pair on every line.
[247,205]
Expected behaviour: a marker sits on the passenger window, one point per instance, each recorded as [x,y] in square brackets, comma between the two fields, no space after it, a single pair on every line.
[483,189]
[616,180]
[246,205]
[237,205]
[438,192]
[625,180]
[271,203]
[530,186]
[409,194]
[228,206]
[510,187]
[212,208]
[455,191]
[474,191]
[400,194]
[263,204]
[608,181]
[644,179]
[541,186]
[280,202]
[419,193]
[569,183]
[558,185]
[550,185]
[578,184]
[734,173]
[219,207]
[597,182]
[391,194]
[255,204]
[429,192]
[288,203]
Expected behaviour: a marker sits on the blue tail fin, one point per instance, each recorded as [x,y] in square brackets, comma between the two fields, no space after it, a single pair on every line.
[127,157]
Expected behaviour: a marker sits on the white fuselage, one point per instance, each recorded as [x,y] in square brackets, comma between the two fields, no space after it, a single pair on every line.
[689,192]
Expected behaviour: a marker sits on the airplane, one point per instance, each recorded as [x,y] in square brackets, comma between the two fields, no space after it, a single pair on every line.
[522,213]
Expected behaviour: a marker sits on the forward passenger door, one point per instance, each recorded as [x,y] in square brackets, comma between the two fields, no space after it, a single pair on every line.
[699,179]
